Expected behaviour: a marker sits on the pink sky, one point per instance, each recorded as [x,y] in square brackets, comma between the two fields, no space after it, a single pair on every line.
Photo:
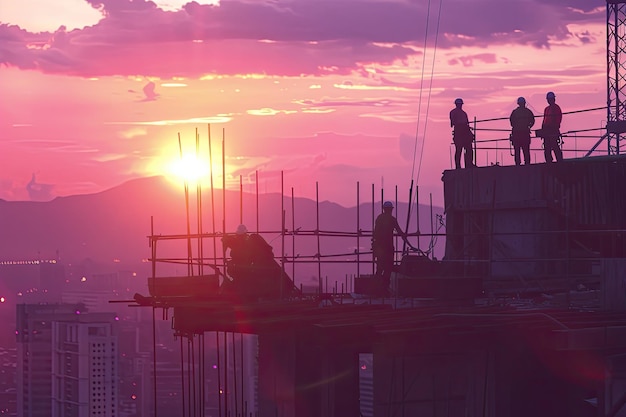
[95,92]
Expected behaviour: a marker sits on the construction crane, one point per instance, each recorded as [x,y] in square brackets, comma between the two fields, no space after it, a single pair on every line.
[616,75]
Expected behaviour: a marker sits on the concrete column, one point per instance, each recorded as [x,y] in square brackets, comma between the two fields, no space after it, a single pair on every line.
[301,376]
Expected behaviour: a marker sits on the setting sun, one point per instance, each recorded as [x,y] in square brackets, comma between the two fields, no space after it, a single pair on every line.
[190,168]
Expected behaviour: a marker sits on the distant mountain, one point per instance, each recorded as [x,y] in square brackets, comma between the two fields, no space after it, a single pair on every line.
[114,224]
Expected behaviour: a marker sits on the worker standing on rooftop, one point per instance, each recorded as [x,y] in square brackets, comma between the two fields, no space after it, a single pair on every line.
[522,119]
[550,129]
[462,135]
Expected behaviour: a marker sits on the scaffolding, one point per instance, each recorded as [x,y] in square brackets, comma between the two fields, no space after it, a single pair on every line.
[572,250]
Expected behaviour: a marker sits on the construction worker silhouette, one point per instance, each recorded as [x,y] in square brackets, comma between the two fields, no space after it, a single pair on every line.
[550,129]
[382,243]
[462,135]
[253,268]
[522,119]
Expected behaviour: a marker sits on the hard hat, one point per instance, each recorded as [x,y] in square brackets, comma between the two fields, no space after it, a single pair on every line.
[458,101]
[521,100]
[242,229]
[387,204]
[550,95]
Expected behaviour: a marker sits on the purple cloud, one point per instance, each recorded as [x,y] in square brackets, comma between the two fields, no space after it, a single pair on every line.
[468,60]
[283,38]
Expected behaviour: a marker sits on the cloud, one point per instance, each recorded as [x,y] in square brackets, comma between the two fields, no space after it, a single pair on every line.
[468,60]
[268,112]
[132,133]
[171,122]
[149,92]
[284,38]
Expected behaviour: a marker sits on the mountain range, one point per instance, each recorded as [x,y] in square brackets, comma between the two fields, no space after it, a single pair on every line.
[113,225]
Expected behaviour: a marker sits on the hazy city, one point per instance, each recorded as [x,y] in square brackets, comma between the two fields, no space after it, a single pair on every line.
[57,307]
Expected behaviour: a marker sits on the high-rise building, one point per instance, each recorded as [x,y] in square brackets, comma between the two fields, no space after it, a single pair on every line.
[67,361]
[8,396]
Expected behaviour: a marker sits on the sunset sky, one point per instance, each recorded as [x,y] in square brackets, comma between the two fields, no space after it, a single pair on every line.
[96,92]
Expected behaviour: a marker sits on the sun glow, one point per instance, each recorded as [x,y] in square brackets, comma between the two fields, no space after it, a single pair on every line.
[190,169]
[184,165]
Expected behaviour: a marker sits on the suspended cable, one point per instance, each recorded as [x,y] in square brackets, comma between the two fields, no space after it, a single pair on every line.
[419,102]
[430,87]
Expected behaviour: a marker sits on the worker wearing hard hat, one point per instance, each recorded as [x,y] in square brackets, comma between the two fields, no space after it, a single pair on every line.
[522,119]
[462,135]
[550,129]
[253,269]
[239,249]
[382,243]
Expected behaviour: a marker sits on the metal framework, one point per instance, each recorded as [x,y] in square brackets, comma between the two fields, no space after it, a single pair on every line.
[616,74]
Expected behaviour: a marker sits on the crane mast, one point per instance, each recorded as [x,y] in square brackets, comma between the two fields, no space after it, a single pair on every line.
[616,74]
